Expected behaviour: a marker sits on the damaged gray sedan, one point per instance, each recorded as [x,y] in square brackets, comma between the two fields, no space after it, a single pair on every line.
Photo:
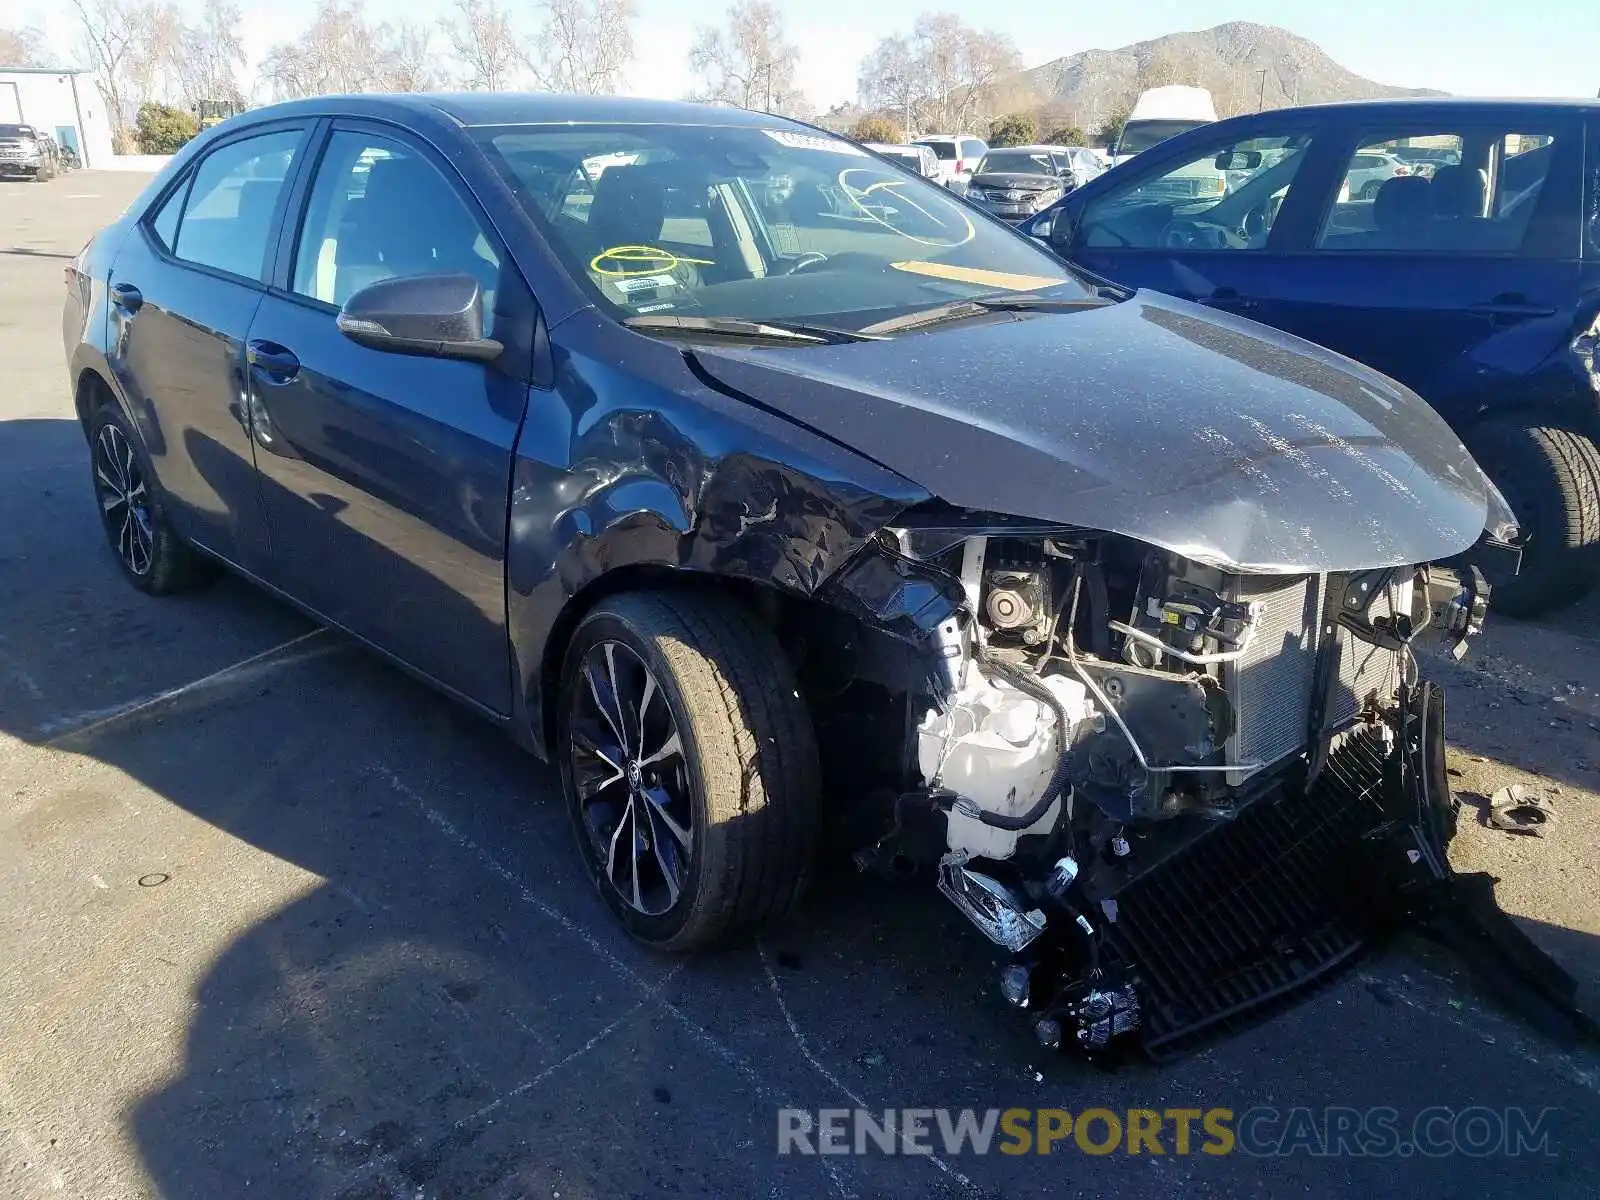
[765,486]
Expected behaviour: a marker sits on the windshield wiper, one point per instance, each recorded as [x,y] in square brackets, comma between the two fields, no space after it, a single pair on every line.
[960,310]
[776,331]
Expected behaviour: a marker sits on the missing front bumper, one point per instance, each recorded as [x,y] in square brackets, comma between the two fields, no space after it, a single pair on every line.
[1217,928]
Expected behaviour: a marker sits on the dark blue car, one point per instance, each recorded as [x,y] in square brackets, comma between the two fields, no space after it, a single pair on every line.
[1453,245]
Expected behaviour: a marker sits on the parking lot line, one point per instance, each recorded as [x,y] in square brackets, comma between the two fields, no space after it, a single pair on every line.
[81,725]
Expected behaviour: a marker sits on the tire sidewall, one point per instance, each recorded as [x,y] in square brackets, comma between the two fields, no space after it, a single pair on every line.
[610,624]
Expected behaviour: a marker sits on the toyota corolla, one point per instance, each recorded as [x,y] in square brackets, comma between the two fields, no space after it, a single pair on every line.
[760,483]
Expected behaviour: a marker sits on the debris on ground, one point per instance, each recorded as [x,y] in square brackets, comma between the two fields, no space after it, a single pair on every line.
[1518,809]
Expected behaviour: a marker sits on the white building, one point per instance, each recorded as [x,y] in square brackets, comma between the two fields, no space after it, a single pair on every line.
[60,101]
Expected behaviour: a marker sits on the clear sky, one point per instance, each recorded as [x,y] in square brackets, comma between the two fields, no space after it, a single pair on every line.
[1487,47]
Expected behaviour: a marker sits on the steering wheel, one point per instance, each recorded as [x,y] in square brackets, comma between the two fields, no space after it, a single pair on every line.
[1183,234]
[799,262]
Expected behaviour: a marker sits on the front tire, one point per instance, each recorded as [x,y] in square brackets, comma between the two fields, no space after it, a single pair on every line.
[689,766]
[153,557]
[1551,478]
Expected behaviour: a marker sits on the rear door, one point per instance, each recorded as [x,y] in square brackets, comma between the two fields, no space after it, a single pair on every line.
[385,477]
[1459,281]
[184,289]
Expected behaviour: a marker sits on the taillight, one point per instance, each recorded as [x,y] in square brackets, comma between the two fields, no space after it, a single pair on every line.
[961,166]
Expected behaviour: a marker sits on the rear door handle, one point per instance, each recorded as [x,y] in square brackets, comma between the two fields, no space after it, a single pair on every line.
[126,297]
[1511,306]
[276,364]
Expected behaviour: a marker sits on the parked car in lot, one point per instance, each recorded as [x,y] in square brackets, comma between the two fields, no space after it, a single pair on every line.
[920,159]
[24,153]
[1478,286]
[958,155]
[1370,170]
[1015,182]
[754,508]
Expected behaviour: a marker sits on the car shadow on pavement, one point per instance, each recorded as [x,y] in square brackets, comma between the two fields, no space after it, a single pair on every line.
[362,908]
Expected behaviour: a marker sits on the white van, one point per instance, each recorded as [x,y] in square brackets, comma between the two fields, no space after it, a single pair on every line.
[1161,113]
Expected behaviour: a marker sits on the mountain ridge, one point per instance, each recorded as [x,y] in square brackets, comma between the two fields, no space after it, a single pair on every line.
[1245,66]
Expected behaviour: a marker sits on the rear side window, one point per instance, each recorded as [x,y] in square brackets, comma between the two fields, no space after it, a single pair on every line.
[228,219]
[1440,191]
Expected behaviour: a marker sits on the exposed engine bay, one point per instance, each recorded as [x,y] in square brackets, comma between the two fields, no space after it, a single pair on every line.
[1167,793]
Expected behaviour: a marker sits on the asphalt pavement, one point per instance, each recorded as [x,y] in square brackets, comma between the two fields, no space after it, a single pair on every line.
[280,922]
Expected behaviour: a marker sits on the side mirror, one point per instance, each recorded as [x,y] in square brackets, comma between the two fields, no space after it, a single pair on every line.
[1237,160]
[436,316]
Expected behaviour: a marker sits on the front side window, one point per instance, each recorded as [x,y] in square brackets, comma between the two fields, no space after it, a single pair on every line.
[378,211]
[227,221]
[972,148]
[1439,191]
[1226,198]
[756,224]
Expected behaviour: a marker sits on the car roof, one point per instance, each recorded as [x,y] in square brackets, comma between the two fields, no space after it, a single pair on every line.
[1416,105]
[517,108]
[1028,149]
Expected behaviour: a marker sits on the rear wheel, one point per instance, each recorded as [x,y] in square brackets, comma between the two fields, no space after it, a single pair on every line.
[151,554]
[1369,190]
[1551,478]
[689,766]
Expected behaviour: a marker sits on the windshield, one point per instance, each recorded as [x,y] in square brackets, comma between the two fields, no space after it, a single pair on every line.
[944,150]
[764,224]
[1016,162]
[17,131]
[1139,136]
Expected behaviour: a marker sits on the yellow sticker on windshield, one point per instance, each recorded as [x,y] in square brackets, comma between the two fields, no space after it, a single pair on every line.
[640,260]
[983,278]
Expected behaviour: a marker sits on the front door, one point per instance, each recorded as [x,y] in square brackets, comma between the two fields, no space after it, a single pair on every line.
[385,477]
[1203,223]
[183,290]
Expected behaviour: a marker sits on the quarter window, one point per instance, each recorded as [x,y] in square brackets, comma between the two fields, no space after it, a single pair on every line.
[228,218]
[378,211]
[164,224]
[1225,199]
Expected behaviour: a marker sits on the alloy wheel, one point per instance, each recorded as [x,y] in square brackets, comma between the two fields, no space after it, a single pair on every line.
[631,778]
[124,499]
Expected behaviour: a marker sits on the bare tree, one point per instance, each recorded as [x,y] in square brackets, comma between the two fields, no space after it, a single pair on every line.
[749,63]
[585,45]
[945,75]
[486,42]
[891,78]
[212,59]
[339,52]
[408,62]
[22,48]
[111,40]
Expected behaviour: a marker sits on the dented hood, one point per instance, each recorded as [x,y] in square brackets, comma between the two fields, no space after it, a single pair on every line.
[1213,437]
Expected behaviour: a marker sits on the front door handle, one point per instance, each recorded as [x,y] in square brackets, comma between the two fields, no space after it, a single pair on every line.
[274,363]
[1511,306]
[126,297]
